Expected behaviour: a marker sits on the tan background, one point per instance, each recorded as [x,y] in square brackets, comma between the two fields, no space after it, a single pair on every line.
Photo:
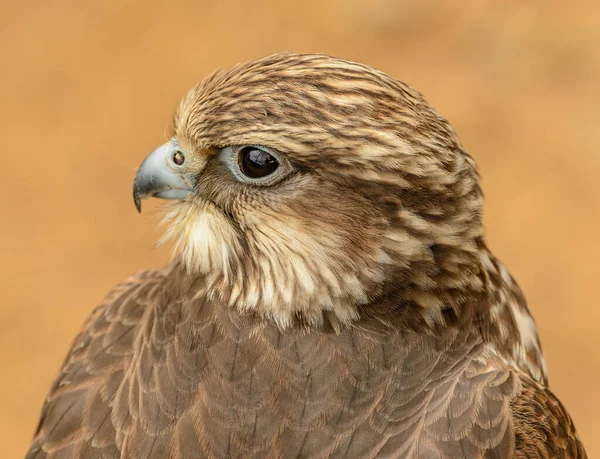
[88,88]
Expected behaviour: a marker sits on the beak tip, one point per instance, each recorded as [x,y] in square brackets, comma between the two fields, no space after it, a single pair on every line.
[137,201]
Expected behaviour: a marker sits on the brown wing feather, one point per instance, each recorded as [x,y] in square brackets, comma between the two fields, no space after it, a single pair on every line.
[159,373]
[543,428]
[76,417]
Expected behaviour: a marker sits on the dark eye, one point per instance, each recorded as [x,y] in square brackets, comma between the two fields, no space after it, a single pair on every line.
[256,163]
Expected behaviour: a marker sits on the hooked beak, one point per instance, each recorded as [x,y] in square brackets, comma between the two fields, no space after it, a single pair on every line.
[162,175]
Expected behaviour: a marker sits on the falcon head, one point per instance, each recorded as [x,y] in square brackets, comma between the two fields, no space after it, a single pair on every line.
[306,188]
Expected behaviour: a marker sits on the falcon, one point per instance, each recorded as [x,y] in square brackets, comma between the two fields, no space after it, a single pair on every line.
[331,292]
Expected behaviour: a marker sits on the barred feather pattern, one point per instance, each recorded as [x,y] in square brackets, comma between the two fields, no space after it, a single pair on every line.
[511,330]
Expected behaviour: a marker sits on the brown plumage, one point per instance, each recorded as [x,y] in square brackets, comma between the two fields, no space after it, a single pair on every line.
[344,304]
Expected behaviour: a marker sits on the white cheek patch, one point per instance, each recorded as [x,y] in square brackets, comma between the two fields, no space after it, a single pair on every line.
[203,237]
[292,270]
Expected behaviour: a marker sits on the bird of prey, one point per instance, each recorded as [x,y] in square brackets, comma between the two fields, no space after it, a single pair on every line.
[331,292]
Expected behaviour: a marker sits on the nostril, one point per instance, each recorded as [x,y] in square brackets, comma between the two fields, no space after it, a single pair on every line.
[178,158]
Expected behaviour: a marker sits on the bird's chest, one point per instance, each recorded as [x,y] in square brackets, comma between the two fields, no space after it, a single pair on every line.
[231,392]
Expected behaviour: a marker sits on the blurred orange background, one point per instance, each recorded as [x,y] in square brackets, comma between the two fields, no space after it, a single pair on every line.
[88,89]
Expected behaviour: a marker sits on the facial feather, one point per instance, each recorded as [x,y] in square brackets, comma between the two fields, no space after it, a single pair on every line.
[382,193]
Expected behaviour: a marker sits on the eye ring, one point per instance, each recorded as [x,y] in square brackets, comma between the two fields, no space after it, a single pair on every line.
[231,157]
[256,163]
[178,157]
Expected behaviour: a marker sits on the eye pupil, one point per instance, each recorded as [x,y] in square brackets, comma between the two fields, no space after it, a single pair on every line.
[178,158]
[257,163]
